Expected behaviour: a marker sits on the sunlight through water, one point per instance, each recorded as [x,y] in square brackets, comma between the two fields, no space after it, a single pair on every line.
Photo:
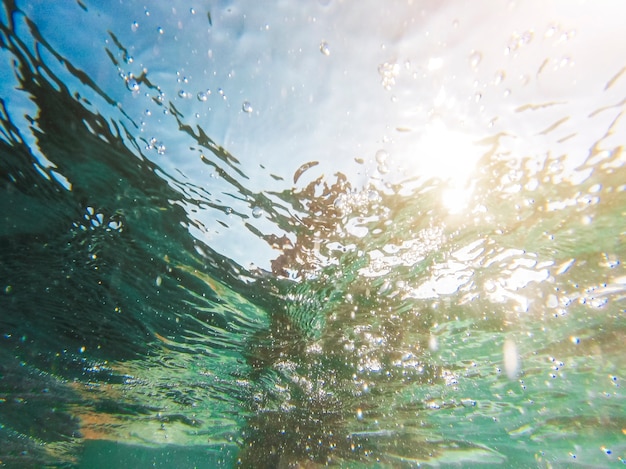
[310,234]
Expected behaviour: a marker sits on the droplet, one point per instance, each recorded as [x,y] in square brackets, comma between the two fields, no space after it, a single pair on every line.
[474,58]
[257,212]
[246,107]
[324,49]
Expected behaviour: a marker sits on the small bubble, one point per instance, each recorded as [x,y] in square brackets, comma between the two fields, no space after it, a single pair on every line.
[183,94]
[82,349]
[246,107]
[359,414]
[158,281]
[192,11]
[575,340]
[324,49]
[257,212]
[474,58]
[8,289]
[499,77]
[202,96]
[134,27]
[160,30]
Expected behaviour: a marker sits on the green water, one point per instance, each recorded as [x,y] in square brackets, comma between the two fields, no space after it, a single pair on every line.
[193,307]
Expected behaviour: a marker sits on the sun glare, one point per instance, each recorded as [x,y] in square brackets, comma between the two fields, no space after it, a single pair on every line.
[450,156]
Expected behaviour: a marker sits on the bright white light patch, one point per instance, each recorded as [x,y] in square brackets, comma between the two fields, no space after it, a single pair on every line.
[511,358]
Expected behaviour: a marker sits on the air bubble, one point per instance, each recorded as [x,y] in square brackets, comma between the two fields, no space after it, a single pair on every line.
[160,30]
[202,96]
[132,85]
[474,58]
[183,94]
[324,49]
[381,156]
[134,27]
[246,107]
[499,77]
[257,212]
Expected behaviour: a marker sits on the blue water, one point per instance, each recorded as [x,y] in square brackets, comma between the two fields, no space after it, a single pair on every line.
[242,235]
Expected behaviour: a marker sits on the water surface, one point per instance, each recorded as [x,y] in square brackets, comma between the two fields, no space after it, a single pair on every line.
[307,235]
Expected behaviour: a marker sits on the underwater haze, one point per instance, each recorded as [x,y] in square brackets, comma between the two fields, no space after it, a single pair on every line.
[306,234]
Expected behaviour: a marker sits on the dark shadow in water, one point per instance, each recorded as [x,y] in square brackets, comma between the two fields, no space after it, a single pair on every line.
[104,272]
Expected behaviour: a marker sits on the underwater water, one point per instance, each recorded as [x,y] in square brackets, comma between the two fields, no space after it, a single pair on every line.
[299,234]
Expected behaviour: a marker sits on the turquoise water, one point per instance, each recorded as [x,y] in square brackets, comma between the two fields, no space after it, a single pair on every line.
[299,236]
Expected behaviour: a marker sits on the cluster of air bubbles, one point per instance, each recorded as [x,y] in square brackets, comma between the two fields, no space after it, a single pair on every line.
[203,95]
[131,82]
[388,72]
[518,40]
[381,160]
[154,144]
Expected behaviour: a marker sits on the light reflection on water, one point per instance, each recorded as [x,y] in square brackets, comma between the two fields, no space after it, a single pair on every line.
[298,235]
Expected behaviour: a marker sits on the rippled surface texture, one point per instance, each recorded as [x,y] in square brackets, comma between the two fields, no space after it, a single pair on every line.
[298,234]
